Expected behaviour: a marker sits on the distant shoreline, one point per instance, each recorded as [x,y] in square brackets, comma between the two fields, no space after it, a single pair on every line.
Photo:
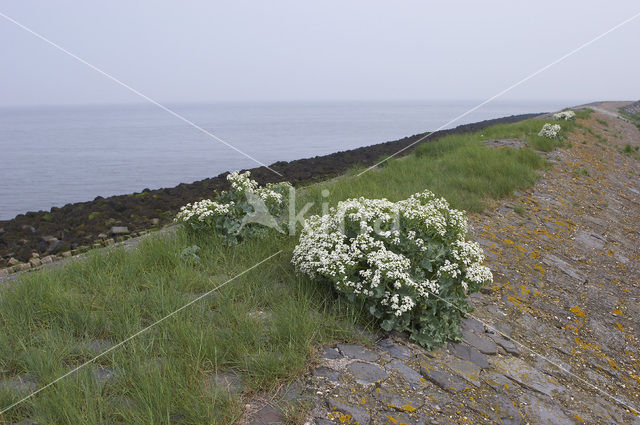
[78,226]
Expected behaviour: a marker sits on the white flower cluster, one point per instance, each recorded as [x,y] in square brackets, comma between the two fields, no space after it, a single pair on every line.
[396,255]
[225,214]
[242,183]
[202,209]
[565,116]
[550,131]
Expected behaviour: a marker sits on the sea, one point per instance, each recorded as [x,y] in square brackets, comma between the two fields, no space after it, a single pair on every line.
[51,156]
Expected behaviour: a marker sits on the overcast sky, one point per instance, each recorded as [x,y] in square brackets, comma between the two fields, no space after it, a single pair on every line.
[207,51]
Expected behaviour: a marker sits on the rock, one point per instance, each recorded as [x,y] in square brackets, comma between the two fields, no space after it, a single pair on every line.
[443,379]
[409,375]
[552,260]
[399,402]
[102,235]
[4,272]
[102,374]
[590,240]
[155,221]
[327,373]
[367,373]
[20,384]
[468,353]
[20,267]
[545,412]
[98,345]
[466,370]
[226,380]
[500,329]
[528,377]
[55,246]
[12,262]
[35,262]
[119,230]
[507,345]
[480,342]
[498,381]
[66,254]
[329,353]
[267,415]
[503,411]
[296,391]
[395,418]
[469,323]
[47,259]
[29,229]
[356,414]
[394,349]
[359,352]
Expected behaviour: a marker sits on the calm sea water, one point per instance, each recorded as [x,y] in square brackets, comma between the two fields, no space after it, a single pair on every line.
[51,156]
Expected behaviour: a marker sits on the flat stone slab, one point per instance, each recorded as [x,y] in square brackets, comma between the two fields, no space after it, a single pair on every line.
[399,403]
[442,378]
[529,377]
[394,349]
[590,240]
[507,345]
[480,342]
[367,373]
[468,353]
[329,353]
[350,413]
[469,323]
[20,384]
[567,269]
[327,373]
[545,412]
[409,374]
[267,415]
[359,352]
[395,418]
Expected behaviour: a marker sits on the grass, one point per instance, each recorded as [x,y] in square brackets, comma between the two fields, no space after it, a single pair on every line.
[633,118]
[263,325]
[631,151]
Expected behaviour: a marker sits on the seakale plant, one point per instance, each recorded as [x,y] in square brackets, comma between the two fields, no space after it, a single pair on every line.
[409,262]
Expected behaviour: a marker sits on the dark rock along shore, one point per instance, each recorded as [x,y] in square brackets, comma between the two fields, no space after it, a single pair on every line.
[85,224]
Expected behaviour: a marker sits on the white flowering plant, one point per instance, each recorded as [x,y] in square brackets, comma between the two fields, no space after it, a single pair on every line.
[409,262]
[245,210]
[550,131]
[565,116]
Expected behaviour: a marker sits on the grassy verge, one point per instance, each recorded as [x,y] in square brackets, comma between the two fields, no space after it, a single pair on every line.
[263,325]
[633,118]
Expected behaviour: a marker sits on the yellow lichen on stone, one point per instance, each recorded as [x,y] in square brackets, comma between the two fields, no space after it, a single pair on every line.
[578,311]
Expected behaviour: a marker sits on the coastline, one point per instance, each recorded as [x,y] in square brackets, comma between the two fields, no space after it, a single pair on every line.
[34,238]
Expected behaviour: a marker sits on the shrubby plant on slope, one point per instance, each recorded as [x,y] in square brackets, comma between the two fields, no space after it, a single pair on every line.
[245,210]
[565,115]
[550,131]
[409,262]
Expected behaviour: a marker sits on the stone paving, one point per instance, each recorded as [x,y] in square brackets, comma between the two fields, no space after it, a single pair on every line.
[556,336]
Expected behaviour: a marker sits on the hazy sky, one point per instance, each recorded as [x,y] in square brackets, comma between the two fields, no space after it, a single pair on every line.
[324,50]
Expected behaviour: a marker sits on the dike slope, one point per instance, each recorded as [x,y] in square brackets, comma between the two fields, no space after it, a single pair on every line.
[554,341]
